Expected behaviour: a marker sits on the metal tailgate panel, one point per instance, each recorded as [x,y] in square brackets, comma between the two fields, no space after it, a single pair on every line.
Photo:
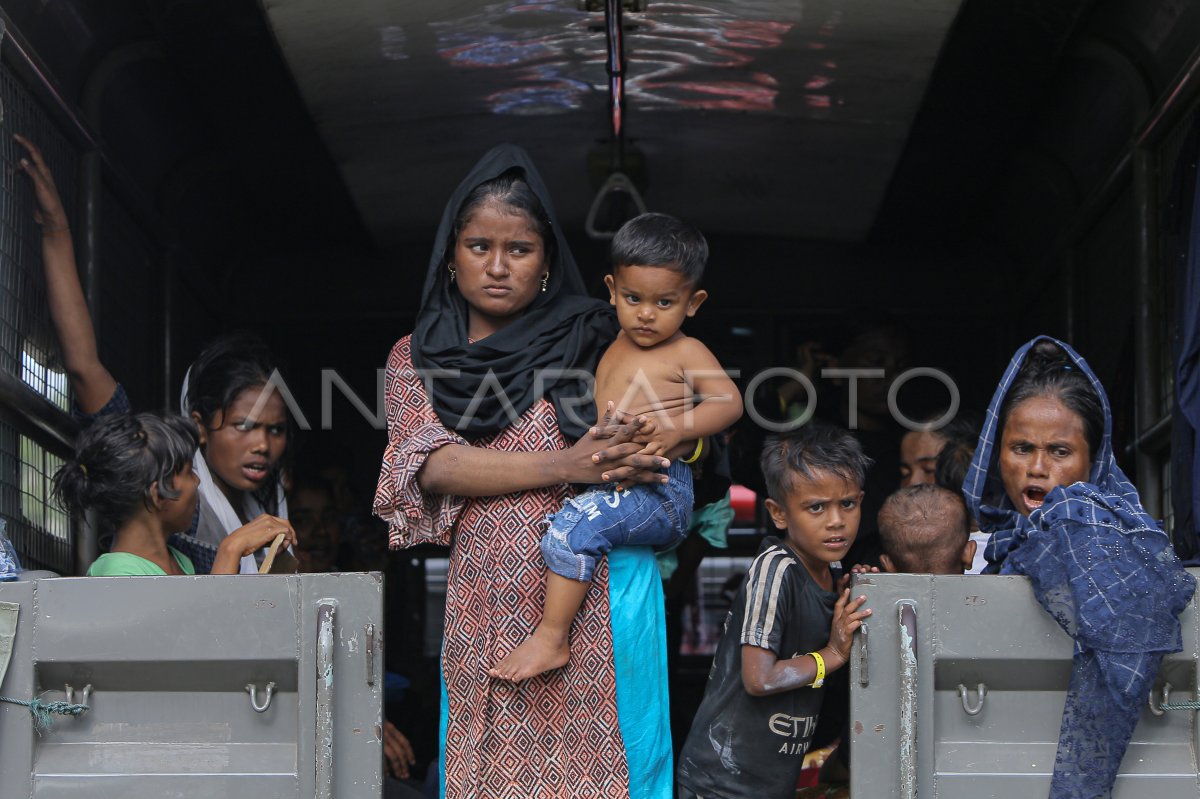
[16,731]
[990,630]
[354,686]
[169,660]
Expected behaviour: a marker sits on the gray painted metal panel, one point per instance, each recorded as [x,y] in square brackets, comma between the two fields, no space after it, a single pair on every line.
[168,786]
[16,731]
[170,661]
[990,630]
[357,705]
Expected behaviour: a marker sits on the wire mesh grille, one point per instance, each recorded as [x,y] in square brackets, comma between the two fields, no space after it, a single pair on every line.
[28,349]
[39,529]
[43,378]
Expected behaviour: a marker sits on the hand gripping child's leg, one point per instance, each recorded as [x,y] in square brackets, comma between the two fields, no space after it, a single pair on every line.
[548,648]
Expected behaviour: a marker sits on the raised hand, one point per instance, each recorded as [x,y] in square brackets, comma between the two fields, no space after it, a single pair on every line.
[49,213]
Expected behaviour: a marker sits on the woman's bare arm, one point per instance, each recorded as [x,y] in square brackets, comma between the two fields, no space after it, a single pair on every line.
[90,381]
[610,456]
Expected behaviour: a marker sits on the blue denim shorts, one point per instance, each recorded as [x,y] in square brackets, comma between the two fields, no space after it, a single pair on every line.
[602,517]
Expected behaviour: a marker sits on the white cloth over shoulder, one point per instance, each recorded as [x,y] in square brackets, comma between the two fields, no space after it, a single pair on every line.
[218,518]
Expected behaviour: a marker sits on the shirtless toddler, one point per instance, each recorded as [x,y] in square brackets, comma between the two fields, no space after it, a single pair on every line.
[652,369]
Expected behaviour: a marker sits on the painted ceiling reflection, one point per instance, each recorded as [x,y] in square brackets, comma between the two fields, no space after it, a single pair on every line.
[682,56]
[782,117]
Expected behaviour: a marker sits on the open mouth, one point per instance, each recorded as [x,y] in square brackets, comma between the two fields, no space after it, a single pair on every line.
[1033,496]
[255,471]
[838,542]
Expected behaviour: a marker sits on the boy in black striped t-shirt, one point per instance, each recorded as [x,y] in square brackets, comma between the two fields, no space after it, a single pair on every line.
[788,627]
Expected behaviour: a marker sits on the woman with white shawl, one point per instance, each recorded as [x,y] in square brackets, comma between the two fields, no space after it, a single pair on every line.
[228,392]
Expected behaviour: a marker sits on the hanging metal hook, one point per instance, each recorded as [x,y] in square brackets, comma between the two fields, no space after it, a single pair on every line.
[253,689]
[69,690]
[968,707]
[1166,699]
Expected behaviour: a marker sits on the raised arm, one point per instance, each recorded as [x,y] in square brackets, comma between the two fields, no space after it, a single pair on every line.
[90,381]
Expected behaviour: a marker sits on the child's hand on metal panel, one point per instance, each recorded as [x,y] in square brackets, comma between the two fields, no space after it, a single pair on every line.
[848,616]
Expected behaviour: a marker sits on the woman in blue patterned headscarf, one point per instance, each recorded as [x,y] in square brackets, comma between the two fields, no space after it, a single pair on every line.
[1045,485]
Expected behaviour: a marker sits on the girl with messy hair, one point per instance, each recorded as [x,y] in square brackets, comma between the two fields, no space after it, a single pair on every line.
[134,471]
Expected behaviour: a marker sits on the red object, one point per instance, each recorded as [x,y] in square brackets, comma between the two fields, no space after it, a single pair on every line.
[809,777]
[744,503]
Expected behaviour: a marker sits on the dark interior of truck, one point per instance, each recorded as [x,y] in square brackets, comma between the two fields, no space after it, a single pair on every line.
[966,173]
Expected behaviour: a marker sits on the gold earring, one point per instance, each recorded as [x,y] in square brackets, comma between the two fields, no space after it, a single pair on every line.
[453,272]
[545,280]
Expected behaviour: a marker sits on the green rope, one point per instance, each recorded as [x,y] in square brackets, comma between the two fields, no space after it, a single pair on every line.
[1179,706]
[41,711]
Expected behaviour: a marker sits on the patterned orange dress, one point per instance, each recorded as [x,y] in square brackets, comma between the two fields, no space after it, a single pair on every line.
[560,734]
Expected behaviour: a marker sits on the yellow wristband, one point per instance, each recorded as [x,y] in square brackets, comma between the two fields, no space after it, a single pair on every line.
[820,678]
[696,455]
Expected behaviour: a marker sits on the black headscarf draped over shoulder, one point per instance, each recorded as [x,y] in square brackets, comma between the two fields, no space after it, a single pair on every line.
[560,336]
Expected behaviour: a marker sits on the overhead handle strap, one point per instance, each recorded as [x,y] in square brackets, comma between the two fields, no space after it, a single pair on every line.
[617,183]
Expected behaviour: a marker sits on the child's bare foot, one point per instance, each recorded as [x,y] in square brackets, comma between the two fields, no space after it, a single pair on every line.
[541,652]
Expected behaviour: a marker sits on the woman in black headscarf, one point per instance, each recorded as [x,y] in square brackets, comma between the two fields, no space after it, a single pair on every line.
[483,402]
